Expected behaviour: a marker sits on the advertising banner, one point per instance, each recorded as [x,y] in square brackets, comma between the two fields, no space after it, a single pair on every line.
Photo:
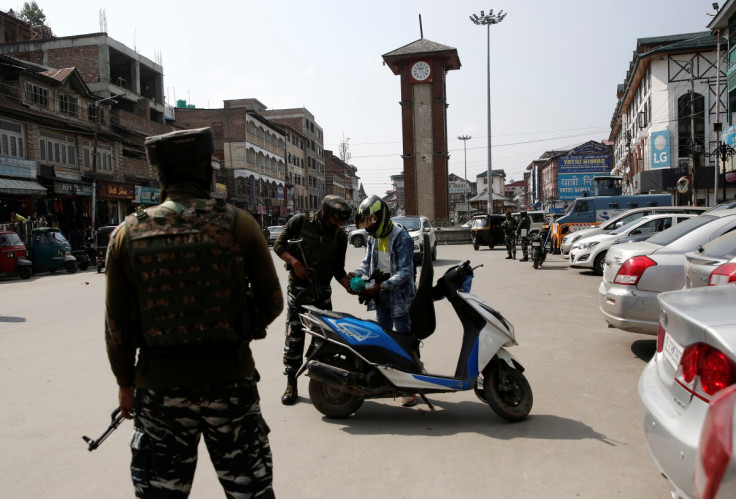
[599,164]
[147,195]
[661,149]
[572,185]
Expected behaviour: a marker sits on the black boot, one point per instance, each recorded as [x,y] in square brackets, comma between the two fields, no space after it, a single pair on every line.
[291,394]
[509,257]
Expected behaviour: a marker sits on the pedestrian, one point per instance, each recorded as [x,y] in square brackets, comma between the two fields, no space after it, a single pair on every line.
[320,257]
[522,230]
[509,232]
[390,250]
[190,283]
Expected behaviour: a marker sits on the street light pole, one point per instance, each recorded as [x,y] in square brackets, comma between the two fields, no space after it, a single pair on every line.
[465,139]
[96,110]
[488,20]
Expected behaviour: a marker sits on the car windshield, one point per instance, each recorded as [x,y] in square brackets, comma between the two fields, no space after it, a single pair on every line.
[11,239]
[409,223]
[480,222]
[722,247]
[677,231]
[58,237]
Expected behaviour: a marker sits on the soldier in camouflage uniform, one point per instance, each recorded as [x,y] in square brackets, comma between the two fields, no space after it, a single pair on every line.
[189,284]
[509,235]
[524,225]
[324,244]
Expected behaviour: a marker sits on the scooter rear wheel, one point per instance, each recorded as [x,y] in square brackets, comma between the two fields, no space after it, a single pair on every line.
[331,401]
[508,392]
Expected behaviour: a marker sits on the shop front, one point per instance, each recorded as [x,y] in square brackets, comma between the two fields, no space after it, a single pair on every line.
[114,200]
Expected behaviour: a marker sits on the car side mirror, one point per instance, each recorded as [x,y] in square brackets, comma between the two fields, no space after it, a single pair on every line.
[618,224]
[636,232]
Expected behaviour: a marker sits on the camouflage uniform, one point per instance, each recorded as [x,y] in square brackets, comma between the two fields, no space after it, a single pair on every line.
[524,223]
[509,236]
[179,321]
[325,249]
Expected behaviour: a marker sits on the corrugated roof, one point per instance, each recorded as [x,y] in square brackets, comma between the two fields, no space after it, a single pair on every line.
[59,74]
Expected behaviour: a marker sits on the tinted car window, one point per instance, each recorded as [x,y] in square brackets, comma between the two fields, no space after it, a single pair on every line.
[723,247]
[630,218]
[672,234]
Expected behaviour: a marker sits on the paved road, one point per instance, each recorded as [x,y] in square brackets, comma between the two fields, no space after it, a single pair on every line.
[583,437]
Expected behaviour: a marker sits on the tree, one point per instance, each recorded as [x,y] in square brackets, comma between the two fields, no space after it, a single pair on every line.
[32,14]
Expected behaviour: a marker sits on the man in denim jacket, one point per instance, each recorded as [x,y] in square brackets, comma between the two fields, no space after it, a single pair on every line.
[391,250]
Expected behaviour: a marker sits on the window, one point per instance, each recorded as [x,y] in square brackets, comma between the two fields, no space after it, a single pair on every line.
[217,130]
[68,105]
[37,95]
[11,139]
[59,149]
[684,136]
[104,156]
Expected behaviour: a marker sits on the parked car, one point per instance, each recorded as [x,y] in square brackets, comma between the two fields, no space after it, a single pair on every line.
[621,220]
[536,220]
[349,228]
[273,233]
[634,274]
[715,468]
[358,237]
[700,264]
[694,361]
[590,252]
[417,227]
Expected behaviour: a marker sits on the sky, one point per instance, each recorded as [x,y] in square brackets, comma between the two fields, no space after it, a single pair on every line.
[555,65]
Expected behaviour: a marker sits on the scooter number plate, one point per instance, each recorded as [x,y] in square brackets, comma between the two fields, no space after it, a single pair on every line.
[536,244]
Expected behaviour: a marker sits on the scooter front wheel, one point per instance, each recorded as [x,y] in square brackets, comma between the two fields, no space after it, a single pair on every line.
[331,401]
[508,392]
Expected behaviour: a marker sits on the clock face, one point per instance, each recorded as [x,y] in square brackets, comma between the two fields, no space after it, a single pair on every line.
[420,71]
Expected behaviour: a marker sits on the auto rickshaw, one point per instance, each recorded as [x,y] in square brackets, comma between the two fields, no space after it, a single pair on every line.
[486,230]
[13,254]
[49,251]
[101,241]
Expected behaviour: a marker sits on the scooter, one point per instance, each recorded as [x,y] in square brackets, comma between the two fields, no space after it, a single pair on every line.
[351,360]
[538,249]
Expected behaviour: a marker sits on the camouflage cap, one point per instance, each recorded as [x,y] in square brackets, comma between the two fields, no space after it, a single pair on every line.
[336,206]
[181,155]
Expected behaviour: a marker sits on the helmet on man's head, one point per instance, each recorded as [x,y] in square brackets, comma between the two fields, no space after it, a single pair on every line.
[335,206]
[374,216]
[182,156]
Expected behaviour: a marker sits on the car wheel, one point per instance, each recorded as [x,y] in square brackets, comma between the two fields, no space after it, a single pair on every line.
[598,263]
[358,241]
[25,272]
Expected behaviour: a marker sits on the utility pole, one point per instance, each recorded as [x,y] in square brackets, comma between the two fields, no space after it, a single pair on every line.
[96,110]
[692,133]
[465,139]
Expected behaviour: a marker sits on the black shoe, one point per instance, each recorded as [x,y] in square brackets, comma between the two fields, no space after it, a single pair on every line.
[524,260]
[509,257]
[291,394]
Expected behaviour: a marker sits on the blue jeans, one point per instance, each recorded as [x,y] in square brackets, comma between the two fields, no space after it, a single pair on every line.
[400,324]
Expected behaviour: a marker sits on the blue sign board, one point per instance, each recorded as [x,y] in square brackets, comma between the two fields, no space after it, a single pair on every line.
[572,185]
[147,195]
[17,167]
[661,149]
[586,163]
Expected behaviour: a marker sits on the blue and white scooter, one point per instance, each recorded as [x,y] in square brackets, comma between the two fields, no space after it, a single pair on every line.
[351,360]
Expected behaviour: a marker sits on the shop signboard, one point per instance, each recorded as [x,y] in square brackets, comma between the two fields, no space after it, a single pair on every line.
[18,168]
[73,189]
[116,190]
[575,173]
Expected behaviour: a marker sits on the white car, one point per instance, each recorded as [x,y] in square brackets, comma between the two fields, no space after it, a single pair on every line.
[417,227]
[621,220]
[591,251]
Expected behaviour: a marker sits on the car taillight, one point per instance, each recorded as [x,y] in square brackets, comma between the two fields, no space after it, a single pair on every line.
[715,448]
[632,270]
[723,274]
[713,369]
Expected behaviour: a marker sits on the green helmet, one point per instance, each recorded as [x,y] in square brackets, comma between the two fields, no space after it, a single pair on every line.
[374,216]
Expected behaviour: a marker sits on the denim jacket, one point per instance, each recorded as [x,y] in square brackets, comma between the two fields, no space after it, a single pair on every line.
[401,282]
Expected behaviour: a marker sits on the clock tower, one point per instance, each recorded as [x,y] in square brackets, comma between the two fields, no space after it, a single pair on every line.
[422,66]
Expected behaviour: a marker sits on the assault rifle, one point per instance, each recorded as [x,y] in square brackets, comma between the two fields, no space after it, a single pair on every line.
[314,290]
[116,419]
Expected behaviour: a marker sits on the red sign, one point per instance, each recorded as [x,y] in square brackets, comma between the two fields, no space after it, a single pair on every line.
[116,190]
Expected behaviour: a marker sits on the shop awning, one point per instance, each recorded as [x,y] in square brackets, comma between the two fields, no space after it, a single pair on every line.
[11,186]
